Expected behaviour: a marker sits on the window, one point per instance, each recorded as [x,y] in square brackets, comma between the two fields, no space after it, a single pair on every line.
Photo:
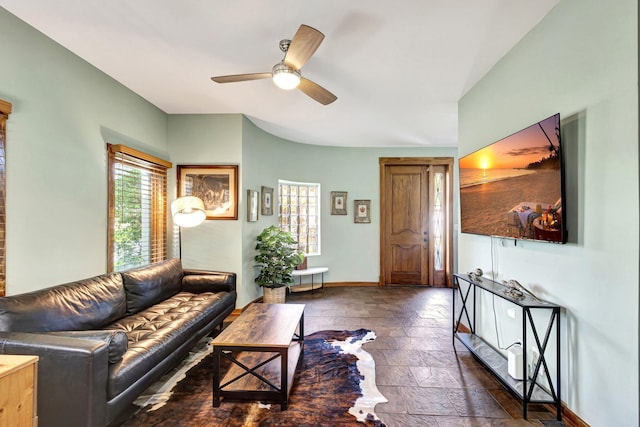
[299,214]
[5,110]
[438,220]
[137,232]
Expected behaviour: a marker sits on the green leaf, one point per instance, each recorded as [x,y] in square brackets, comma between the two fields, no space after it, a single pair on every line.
[277,257]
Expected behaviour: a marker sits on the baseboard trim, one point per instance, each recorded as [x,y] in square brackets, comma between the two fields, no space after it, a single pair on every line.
[238,311]
[463,328]
[350,284]
[569,417]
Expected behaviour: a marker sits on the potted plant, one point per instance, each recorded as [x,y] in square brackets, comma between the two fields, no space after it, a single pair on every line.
[277,257]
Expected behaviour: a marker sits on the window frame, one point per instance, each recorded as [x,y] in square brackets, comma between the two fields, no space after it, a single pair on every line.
[157,226]
[5,111]
[318,214]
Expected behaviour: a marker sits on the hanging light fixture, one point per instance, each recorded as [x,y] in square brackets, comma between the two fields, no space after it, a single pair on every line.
[188,211]
[285,77]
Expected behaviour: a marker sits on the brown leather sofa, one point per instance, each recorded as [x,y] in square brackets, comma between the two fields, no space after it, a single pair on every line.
[104,340]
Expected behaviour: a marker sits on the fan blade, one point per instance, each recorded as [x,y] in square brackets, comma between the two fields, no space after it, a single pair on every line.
[316,91]
[241,77]
[303,45]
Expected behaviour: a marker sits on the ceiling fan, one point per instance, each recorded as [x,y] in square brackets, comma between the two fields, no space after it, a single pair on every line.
[286,73]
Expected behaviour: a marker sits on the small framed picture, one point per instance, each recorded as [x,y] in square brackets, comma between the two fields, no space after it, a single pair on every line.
[252,205]
[267,200]
[338,203]
[362,211]
[216,185]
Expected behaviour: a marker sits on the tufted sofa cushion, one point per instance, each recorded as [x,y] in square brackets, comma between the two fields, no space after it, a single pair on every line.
[152,284]
[156,332]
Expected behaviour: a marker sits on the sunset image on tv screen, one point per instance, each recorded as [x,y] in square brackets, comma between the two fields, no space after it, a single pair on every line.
[513,187]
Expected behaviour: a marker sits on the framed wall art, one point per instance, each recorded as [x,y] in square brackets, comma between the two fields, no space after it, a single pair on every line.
[362,211]
[338,203]
[216,185]
[252,205]
[267,200]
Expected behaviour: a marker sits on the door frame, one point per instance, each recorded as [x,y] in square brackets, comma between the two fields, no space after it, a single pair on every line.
[447,162]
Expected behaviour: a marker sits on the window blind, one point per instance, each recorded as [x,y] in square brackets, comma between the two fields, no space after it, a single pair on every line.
[137,208]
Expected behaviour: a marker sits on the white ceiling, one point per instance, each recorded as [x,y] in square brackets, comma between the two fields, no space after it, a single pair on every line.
[398,68]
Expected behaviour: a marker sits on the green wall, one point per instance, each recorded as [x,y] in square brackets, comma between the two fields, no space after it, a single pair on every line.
[203,140]
[581,61]
[350,250]
[64,111]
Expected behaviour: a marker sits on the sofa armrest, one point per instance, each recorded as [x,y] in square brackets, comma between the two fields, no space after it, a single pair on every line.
[198,281]
[72,376]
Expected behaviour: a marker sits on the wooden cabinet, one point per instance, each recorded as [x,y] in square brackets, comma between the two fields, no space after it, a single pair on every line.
[18,390]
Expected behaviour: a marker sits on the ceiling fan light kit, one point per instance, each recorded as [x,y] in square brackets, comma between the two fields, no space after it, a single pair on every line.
[284,77]
[286,73]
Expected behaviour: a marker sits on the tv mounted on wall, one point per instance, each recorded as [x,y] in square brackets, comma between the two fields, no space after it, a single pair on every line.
[514,187]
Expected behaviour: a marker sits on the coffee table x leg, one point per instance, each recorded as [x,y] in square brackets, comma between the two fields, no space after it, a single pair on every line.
[279,393]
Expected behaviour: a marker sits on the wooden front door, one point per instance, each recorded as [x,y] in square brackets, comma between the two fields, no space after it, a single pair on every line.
[415,228]
[406,228]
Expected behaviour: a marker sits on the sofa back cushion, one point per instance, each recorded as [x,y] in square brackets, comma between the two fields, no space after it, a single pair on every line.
[149,285]
[85,304]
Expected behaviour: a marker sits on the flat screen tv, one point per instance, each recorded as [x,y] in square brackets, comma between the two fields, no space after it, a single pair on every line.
[514,188]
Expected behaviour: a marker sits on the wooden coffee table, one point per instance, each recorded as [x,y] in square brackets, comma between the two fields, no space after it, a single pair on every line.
[254,342]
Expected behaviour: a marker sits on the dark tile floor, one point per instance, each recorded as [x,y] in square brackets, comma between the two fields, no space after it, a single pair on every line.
[417,370]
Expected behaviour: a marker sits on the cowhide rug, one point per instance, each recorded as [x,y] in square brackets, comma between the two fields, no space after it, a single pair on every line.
[334,385]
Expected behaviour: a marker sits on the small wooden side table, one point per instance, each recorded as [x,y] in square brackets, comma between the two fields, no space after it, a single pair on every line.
[18,390]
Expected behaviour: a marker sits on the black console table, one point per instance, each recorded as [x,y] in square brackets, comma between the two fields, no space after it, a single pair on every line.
[532,388]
